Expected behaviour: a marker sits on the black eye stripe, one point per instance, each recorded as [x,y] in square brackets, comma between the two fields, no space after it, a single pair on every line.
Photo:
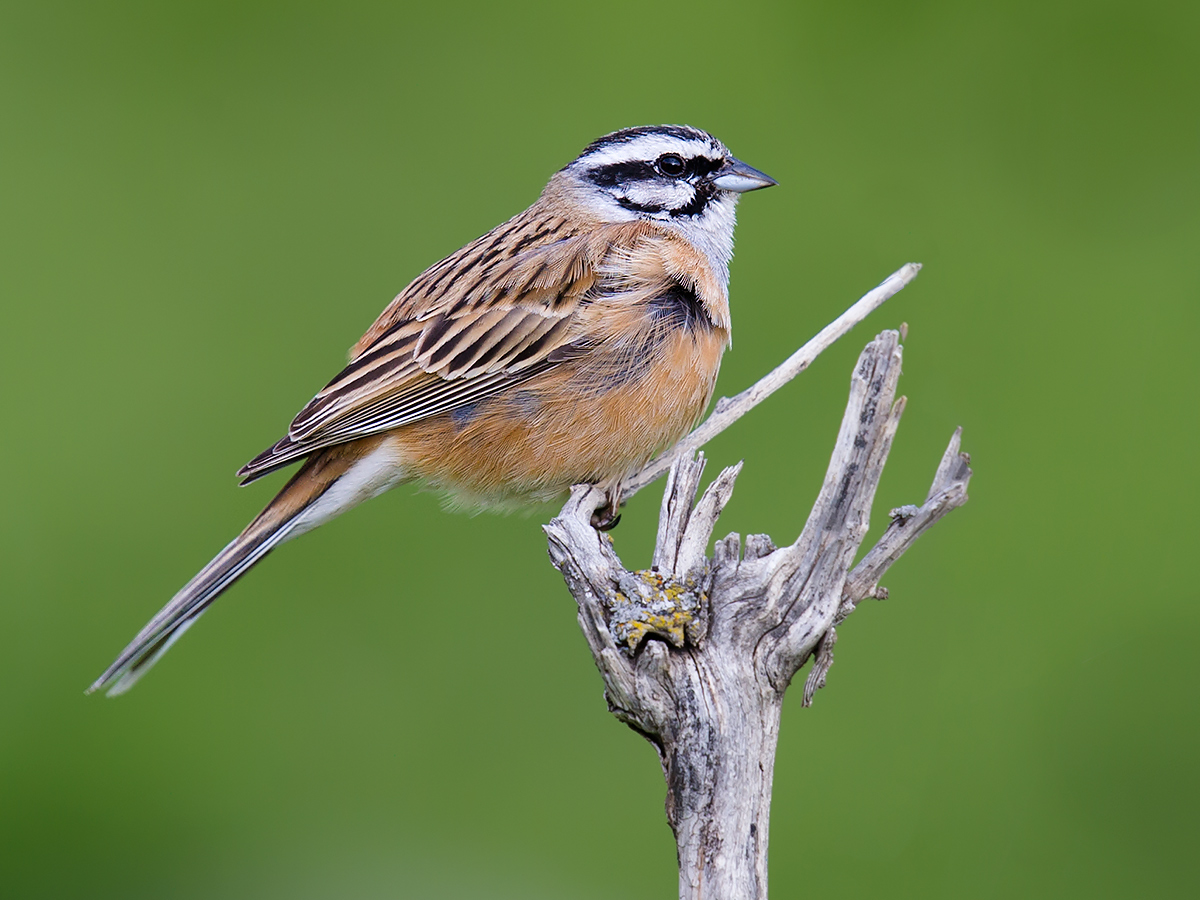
[702,165]
[622,172]
[640,170]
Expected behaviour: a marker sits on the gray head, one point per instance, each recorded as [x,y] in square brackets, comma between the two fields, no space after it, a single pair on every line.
[679,176]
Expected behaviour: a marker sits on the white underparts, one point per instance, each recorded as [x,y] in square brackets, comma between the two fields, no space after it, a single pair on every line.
[375,473]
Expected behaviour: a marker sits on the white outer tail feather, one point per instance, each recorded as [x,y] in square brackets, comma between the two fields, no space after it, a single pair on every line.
[183,610]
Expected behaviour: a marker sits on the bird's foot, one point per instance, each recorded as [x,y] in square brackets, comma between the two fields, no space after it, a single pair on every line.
[607,516]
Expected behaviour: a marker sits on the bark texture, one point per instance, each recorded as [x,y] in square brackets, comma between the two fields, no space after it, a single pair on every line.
[697,652]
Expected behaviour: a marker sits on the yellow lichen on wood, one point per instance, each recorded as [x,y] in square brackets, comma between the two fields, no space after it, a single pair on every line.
[663,607]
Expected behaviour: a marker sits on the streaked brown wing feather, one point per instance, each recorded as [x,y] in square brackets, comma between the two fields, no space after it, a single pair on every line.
[469,327]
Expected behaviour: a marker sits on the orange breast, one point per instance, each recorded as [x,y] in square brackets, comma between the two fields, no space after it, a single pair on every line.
[597,418]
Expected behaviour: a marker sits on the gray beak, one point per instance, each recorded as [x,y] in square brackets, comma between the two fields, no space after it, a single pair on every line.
[735,175]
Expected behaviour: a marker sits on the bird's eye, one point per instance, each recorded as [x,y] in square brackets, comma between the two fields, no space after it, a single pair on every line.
[671,165]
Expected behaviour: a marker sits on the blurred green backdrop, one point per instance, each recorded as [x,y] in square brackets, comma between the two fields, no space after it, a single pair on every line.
[204,204]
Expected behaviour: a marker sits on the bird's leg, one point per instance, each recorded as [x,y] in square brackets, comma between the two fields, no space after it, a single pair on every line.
[608,515]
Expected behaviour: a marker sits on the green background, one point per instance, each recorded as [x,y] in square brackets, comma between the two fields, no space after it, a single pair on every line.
[204,205]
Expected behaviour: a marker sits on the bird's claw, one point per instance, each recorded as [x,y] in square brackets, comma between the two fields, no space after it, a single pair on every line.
[607,516]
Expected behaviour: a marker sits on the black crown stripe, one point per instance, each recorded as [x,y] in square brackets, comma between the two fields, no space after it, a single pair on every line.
[625,135]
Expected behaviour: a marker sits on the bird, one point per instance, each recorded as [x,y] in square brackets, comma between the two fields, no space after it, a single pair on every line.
[567,345]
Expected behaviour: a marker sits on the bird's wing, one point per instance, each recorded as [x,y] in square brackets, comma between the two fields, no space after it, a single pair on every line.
[469,327]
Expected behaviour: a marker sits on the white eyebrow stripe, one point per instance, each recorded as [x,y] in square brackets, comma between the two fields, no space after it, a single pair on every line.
[648,147]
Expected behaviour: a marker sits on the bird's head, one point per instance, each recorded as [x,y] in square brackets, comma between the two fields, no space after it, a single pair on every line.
[679,176]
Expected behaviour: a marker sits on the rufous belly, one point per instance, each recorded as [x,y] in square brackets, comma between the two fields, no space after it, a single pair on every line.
[566,426]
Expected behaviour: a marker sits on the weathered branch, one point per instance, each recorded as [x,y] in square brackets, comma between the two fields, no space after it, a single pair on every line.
[697,653]
[949,491]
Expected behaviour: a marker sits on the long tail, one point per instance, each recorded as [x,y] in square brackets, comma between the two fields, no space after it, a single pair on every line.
[328,484]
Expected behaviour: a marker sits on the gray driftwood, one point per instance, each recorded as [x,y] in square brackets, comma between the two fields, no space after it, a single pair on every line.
[697,652]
